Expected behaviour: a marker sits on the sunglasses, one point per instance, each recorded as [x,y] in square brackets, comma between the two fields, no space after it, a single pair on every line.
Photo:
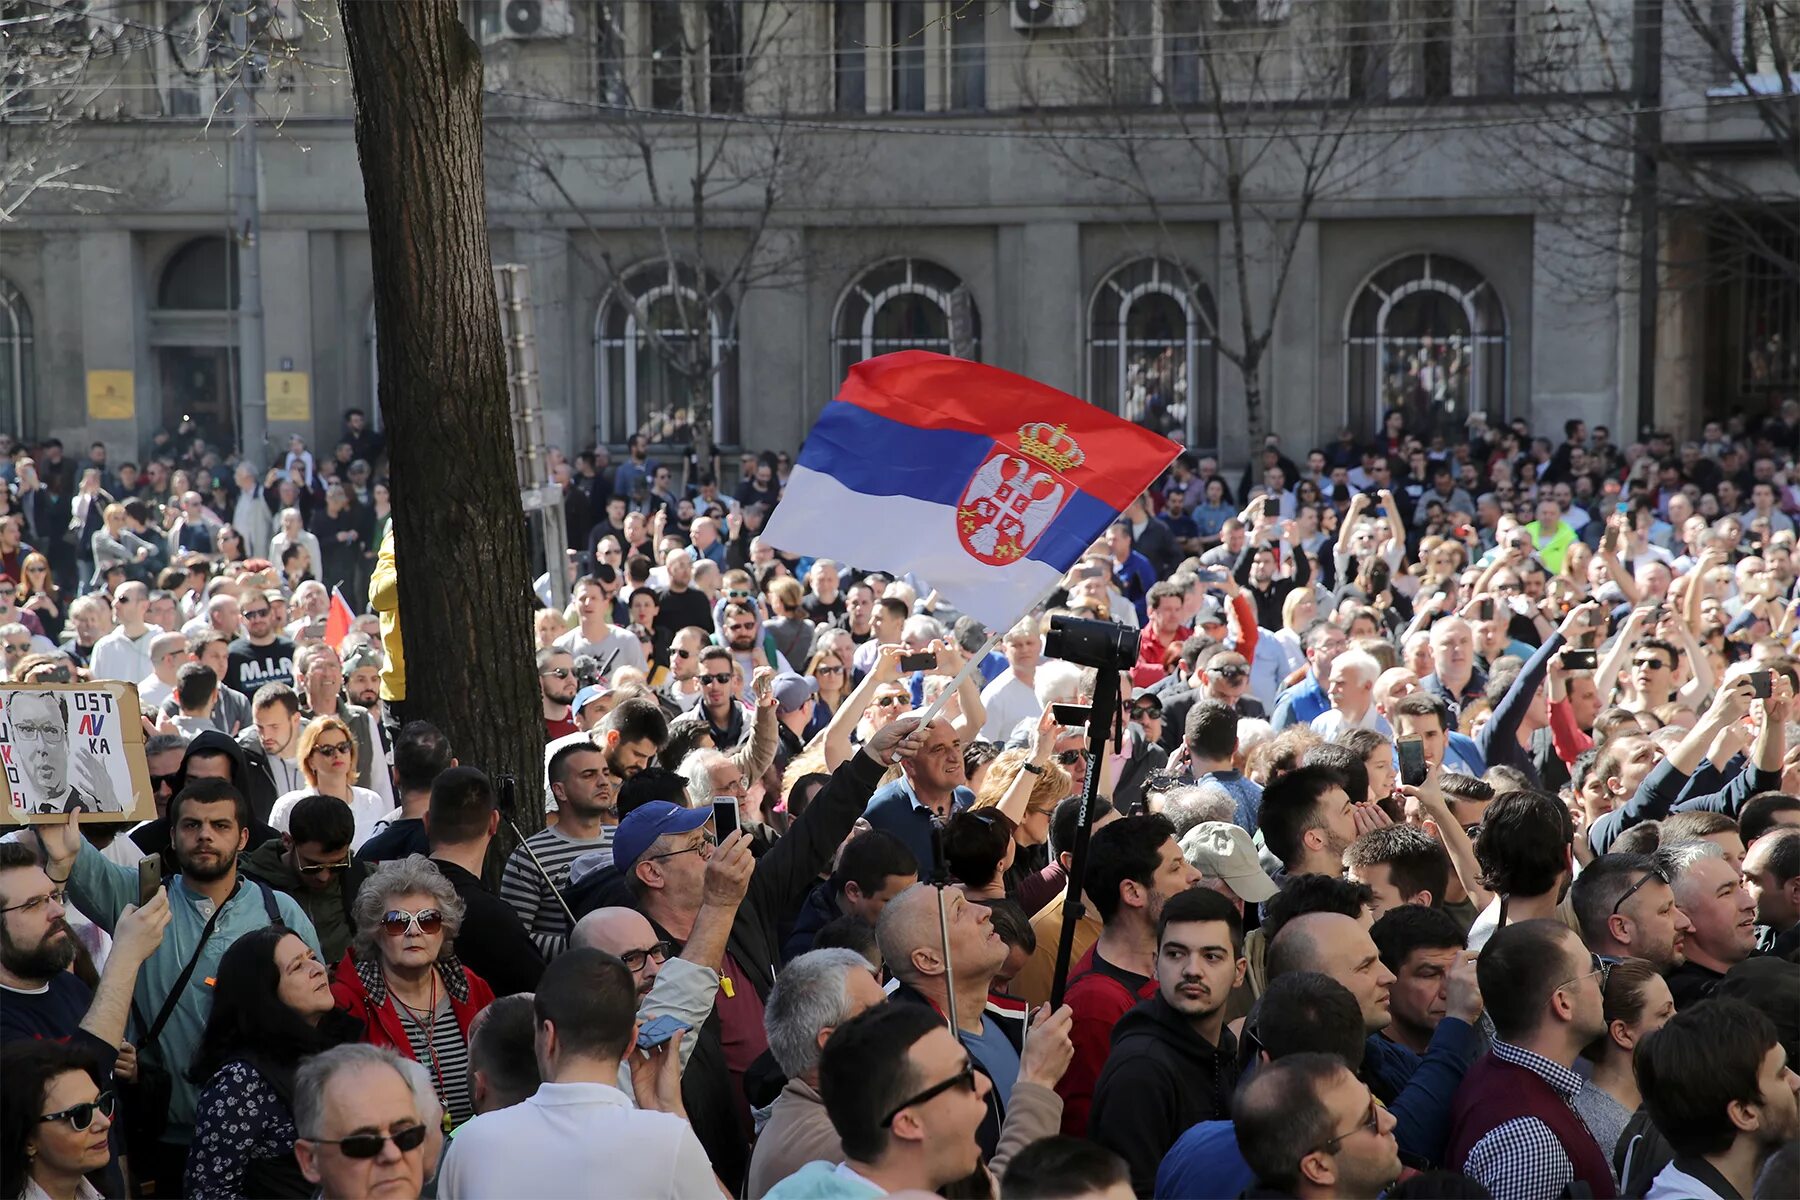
[173,782]
[368,1145]
[1146,710]
[81,1116]
[634,960]
[321,868]
[1232,673]
[18,647]
[891,701]
[557,672]
[718,679]
[736,594]
[828,669]
[334,750]
[9,590]
[964,1078]
[251,614]
[1654,664]
[396,921]
[1069,758]
[682,653]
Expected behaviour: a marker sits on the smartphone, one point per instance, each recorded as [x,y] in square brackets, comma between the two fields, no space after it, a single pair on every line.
[1609,541]
[1581,660]
[1071,715]
[1412,761]
[1090,573]
[655,1032]
[1485,610]
[923,661]
[1622,507]
[725,818]
[1761,683]
[148,878]
[1271,507]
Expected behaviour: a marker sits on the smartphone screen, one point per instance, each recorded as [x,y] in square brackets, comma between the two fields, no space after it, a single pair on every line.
[654,1033]
[1071,715]
[918,662]
[1581,660]
[725,818]
[1624,506]
[1412,761]
[1486,610]
[1761,683]
[1271,506]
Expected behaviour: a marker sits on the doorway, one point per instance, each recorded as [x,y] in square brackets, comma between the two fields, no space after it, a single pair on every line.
[199,385]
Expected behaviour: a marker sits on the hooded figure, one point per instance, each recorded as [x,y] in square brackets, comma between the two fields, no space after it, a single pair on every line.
[257,786]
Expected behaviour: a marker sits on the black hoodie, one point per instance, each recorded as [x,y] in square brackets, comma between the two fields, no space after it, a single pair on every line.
[1160,1078]
[153,836]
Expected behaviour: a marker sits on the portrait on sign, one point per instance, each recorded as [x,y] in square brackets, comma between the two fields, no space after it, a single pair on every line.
[72,748]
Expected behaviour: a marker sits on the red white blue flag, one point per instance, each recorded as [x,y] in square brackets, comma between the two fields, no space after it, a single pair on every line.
[986,484]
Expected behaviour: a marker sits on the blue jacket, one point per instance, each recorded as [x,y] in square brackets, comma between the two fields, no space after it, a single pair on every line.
[1204,1161]
[1418,1090]
[895,810]
[1300,704]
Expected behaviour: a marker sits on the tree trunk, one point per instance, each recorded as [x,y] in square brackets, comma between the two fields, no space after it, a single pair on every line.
[457,528]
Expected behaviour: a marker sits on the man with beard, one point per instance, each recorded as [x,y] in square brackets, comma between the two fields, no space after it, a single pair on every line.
[362,686]
[1627,909]
[630,735]
[208,912]
[261,656]
[1173,1063]
[587,815]
[1308,820]
[322,694]
[40,736]
[932,785]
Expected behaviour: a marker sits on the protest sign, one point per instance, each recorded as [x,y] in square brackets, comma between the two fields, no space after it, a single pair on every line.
[73,747]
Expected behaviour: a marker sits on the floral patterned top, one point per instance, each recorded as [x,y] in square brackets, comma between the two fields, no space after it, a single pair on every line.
[238,1118]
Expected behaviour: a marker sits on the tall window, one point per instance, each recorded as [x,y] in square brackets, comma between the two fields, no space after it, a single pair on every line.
[1427,335]
[906,304]
[968,56]
[907,31]
[1367,37]
[1436,78]
[850,56]
[652,373]
[668,47]
[725,55]
[1151,354]
[15,357]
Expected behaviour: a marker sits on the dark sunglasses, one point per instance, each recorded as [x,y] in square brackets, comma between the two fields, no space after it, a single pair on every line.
[1146,710]
[396,921]
[334,750]
[368,1145]
[1069,758]
[253,614]
[828,669]
[557,672]
[964,1078]
[678,653]
[1655,664]
[634,960]
[81,1116]
[1232,673]
[719,679]
[173,781]
[891,701]
[321,868]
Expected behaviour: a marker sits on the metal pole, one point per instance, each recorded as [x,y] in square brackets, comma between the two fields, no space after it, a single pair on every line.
[246,226]
[940,879]
[1100,723]
[1646,70]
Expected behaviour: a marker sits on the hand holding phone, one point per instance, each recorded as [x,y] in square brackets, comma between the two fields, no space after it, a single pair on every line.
[1762,683]
[1580,660]
[655,1032]
[923,661]
[725,817]
[149,871]
[1413,768]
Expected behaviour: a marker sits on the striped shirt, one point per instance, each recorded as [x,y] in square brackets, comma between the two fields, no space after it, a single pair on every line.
[438,1045]
[522,886]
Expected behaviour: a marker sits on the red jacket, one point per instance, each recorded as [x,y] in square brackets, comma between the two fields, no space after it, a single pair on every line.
[361,991]
[1100,994]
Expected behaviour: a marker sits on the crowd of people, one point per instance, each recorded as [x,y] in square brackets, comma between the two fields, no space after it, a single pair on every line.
[1447,844]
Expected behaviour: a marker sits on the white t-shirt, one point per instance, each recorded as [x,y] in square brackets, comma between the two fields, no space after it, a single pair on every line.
[1008,700]
[365,806]
[619,648]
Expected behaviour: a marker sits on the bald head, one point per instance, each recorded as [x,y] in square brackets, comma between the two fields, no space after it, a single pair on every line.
[908,921]
[623,933]
[1339,946]
[1302,942]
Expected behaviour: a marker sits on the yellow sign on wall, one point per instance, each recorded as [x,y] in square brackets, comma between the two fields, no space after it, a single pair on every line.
[289,396]
[111,395]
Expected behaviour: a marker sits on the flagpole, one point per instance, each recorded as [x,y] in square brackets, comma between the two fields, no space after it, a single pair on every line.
[974,661]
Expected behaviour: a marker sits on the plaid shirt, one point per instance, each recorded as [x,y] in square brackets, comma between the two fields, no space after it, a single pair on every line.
[1522,1160]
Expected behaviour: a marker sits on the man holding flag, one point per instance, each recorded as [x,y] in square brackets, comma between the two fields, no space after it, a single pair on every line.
[321,691]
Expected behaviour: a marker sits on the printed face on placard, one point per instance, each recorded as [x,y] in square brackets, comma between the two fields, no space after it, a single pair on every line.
[68,750]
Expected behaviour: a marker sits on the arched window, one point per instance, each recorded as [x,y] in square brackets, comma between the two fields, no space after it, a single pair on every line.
[1426,335]
[1151,355]
[650,371]
[201,276]
[15,357]
[906,304]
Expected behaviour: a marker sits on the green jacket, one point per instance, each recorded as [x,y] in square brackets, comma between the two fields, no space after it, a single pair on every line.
[328,910]
[101,889]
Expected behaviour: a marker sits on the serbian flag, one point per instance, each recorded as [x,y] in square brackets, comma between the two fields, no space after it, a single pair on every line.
[338,620]
[986,484]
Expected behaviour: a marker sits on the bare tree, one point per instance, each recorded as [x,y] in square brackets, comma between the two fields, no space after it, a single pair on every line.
[1265,111]
[696,142]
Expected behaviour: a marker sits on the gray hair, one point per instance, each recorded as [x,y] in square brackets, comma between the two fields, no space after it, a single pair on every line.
[316,1073]
[162,743]
[1187,807]
[919,626]
[310,654]
[414,874]
[1677,860]
[92,602]
[809,995]
[13,629]
[425,1099]
[161,644]
[696,768]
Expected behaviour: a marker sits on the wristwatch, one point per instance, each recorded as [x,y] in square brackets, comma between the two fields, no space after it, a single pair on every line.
[1033,768]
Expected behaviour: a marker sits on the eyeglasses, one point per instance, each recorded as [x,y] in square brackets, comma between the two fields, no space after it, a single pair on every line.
[81,1116]
[828,669]
[18,647]
[9,590]
[321,868]
[1371,1122]
[253,614]
[1069,758]
[1146,710]
[736,594]
[703,847]
[634,960]
[368,1145]
[1654,664]
[891,701]
[556,672]
[964,1078]
[1602,968]
[1633,889]
[397,921]
[59,896]
[678,653]
[739,785]
[334,750]
[1232,673]
[718,679]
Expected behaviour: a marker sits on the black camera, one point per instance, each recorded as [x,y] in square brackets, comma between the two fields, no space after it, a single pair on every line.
[588,670]
[1086,643]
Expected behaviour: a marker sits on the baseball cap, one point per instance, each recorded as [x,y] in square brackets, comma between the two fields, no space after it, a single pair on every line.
[1211,612]
[793,691]
[1223,851]
[643,825]
[589,694]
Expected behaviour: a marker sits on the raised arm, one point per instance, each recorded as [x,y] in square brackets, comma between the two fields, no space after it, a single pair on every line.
[135,938]
[839,748]
[1613,661]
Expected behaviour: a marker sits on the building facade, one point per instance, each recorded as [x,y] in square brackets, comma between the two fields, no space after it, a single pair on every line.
[952,206]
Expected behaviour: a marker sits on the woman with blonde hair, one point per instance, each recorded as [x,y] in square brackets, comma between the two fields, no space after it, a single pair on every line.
[829,667]
[1298,611]
[114,545]
[327,758]
[1025,786]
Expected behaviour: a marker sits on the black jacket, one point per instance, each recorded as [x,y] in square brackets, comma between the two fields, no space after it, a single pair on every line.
[261,786]
[1160,1078]
[152,837]
[778,888]
[493,942]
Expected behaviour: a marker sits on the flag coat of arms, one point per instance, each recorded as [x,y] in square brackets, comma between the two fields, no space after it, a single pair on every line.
[986,484]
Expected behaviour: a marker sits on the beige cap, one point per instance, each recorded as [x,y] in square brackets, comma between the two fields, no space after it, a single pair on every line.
[1220,850]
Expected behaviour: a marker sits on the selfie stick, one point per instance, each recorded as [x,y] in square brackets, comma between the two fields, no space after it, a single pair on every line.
[1101,721]
[940,879]
[508,802]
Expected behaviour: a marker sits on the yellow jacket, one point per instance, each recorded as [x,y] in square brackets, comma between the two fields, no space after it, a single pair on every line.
[384,598]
